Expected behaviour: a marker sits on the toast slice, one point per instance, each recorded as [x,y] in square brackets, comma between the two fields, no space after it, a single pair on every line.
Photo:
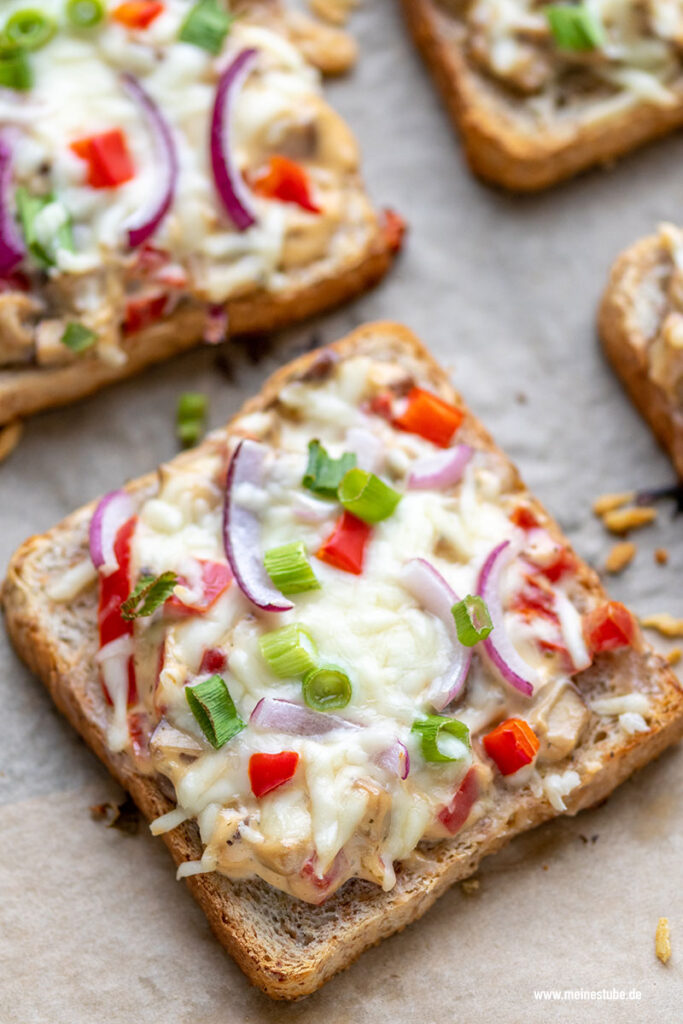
[201,272]
[287,947]
[517,138]
[637,322]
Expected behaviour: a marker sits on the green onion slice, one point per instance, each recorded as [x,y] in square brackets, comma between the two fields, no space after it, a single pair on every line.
[85,13]
[431,728]
[472,620]
[366,496]
[41,248]
[213,707]
[574,27]
[29,29]
[289,651]
[289,568]
[206,26]
[327,688]
[191,417]
[78,338]
[148,593]
[324,474]
[15,69]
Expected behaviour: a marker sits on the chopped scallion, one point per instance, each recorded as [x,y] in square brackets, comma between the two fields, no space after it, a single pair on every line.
[206,26]
[324,474]
[148,594]
[327,688]
[574,27]
[85,13]
[29,29]
[191,417]
[455,745]
[41,242]
[213,707]
[78,338]
[472,620]
[289,568]
[15,69]
[366,496]
[289,651]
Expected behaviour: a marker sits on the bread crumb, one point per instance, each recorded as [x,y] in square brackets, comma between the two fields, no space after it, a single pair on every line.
[674,655]
[621,555]
[470,886]
[607,502]
[661,556]
[621,520]
[336,11]
[664,623]
[9,438]
[663,940]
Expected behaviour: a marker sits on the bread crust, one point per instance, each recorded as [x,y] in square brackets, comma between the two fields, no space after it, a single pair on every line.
[496,149]
[286,947]
[625,342]
[26,391]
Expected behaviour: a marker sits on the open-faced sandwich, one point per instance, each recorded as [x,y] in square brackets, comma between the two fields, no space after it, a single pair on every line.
[338,653]
[543,90]
[641,327]
[168,172]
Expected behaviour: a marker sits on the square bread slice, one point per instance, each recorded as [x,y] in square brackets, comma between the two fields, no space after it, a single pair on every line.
[527,139]
[641,327]
[287,947]
[194,276]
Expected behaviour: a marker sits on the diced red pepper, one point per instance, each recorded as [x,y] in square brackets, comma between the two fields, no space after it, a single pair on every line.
[216,578]
[109,161]
[143,310]
[268,771]
[114,589]
[455,814]
[430,417]
[394,228]
[322,885]
[512,744]
[138,730]
[609,627]
[524,517]
[137,13]
[563,561]
[285,180]
[213,660]
[149,259]
[345,547]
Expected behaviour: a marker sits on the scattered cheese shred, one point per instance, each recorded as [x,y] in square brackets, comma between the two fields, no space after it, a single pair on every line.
[607,502]
[621,520]
[674,655]
[663,940]
[621,555]
[664,623]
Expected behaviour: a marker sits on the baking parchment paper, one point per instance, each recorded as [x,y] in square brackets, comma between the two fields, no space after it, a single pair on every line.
[93,926]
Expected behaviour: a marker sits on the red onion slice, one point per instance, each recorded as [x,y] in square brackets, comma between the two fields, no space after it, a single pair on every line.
[498,646]
[215,324]
[395,759]
[295,719]
[147,219]
[230,185]
[436,596]
[12,249]
[113,510]
[242,531]
[441,470]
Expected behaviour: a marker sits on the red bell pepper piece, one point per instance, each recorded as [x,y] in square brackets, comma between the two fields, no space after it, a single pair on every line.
[114,589]
[394,228]
[216,578]
[455,814]
[143,310]
[213,660]
[430,417]
[268,771]
[285,180]
[137,13]
[523,517]
[512,744]
[345,547]
[609,627]
[109,161]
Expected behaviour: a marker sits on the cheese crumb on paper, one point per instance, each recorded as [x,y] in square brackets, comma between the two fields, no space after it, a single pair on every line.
[621,555]
[663,940]
[621,520]
[607,502]
[664,623]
